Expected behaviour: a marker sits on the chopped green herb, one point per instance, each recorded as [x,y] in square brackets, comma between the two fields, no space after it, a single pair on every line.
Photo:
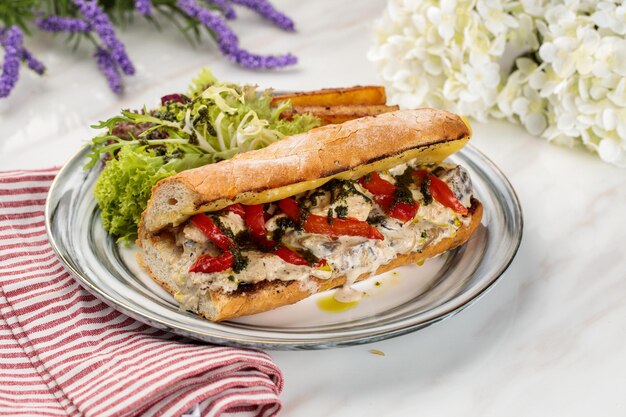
[425,189]
[308,255]
[341,211]
[329,215]
[374,220]
[240,260]
[342,189]
[438,171]
[283,224]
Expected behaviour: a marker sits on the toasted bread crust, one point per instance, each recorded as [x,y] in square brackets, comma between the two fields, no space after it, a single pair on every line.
[319,153]
[268,295]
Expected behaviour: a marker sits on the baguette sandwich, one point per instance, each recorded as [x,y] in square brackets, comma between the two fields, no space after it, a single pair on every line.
[319,210]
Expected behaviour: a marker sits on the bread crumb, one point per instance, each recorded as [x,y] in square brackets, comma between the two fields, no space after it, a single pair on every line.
[376,352]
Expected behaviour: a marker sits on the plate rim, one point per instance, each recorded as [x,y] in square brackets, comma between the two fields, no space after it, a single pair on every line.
[207,335]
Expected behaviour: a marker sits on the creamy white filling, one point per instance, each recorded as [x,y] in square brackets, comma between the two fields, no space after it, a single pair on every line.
[357,207]
[348,256]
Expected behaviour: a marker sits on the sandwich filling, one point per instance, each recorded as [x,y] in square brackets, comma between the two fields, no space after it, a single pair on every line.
[343,228]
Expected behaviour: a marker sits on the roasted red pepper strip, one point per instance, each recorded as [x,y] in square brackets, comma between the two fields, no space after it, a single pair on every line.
[320,263]
[373,183]
[255,219]
[290,256]
[385,201]
[209,264]
[384,192]
[420,174]
[331,227]
[206,263]
[401,211]
[210,230]
[441,192]
[404,211]
[289,206]
[236,208]
[340,227]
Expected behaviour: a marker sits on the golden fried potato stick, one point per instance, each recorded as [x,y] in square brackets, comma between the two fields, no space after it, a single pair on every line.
[338,114]
[372,95]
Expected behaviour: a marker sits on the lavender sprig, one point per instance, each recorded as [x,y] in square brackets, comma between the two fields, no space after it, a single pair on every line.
[228,41]
[89,19]
[225,7]
[32,62]
[225,37]
[144,7]
[12,42]
[62,24]
[102,26]
[266,10]
[109,68]
[253,61]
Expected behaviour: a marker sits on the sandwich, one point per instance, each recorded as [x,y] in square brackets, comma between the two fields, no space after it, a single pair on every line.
[312,212]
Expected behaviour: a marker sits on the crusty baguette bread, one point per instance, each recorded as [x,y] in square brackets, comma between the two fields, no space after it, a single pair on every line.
[157,253]
[290,166]
[321,153]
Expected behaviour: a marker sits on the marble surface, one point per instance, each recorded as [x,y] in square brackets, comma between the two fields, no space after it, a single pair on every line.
[549,339]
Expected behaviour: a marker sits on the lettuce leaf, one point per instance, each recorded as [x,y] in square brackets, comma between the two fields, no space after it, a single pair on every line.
[124,187]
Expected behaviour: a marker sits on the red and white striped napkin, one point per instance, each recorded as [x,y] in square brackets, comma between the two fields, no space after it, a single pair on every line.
[64,352]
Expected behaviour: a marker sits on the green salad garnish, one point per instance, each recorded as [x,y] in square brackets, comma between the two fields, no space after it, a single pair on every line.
[213,122]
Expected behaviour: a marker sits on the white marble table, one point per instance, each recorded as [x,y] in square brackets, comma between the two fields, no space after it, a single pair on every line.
[549,339]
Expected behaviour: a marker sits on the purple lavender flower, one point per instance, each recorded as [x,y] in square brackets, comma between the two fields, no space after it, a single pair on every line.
[12,42]
[144,7]
[228,42]
[254,61]
[109,68]
[224,5]
[62,24]
[225,37]
[266,10]
[102,25]
[32,62]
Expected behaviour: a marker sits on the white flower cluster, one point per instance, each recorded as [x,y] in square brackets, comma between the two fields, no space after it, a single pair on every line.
[570,88]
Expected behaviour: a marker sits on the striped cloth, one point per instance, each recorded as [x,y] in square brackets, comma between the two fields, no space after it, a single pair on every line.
[64,352]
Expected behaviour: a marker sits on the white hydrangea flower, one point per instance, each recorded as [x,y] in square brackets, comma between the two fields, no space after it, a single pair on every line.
[582,76]
[535,8]
[455,54]
[613,149]
[516,85]
[444,53]
[531,110]
[525,38]
[443,17]
[568,54]
[610,16]
[495,18]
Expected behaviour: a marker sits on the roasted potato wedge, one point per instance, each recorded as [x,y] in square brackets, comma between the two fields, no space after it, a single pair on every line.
[339,114]
[372,95]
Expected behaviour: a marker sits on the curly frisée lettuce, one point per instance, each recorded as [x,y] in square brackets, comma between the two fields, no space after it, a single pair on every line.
[213,122]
